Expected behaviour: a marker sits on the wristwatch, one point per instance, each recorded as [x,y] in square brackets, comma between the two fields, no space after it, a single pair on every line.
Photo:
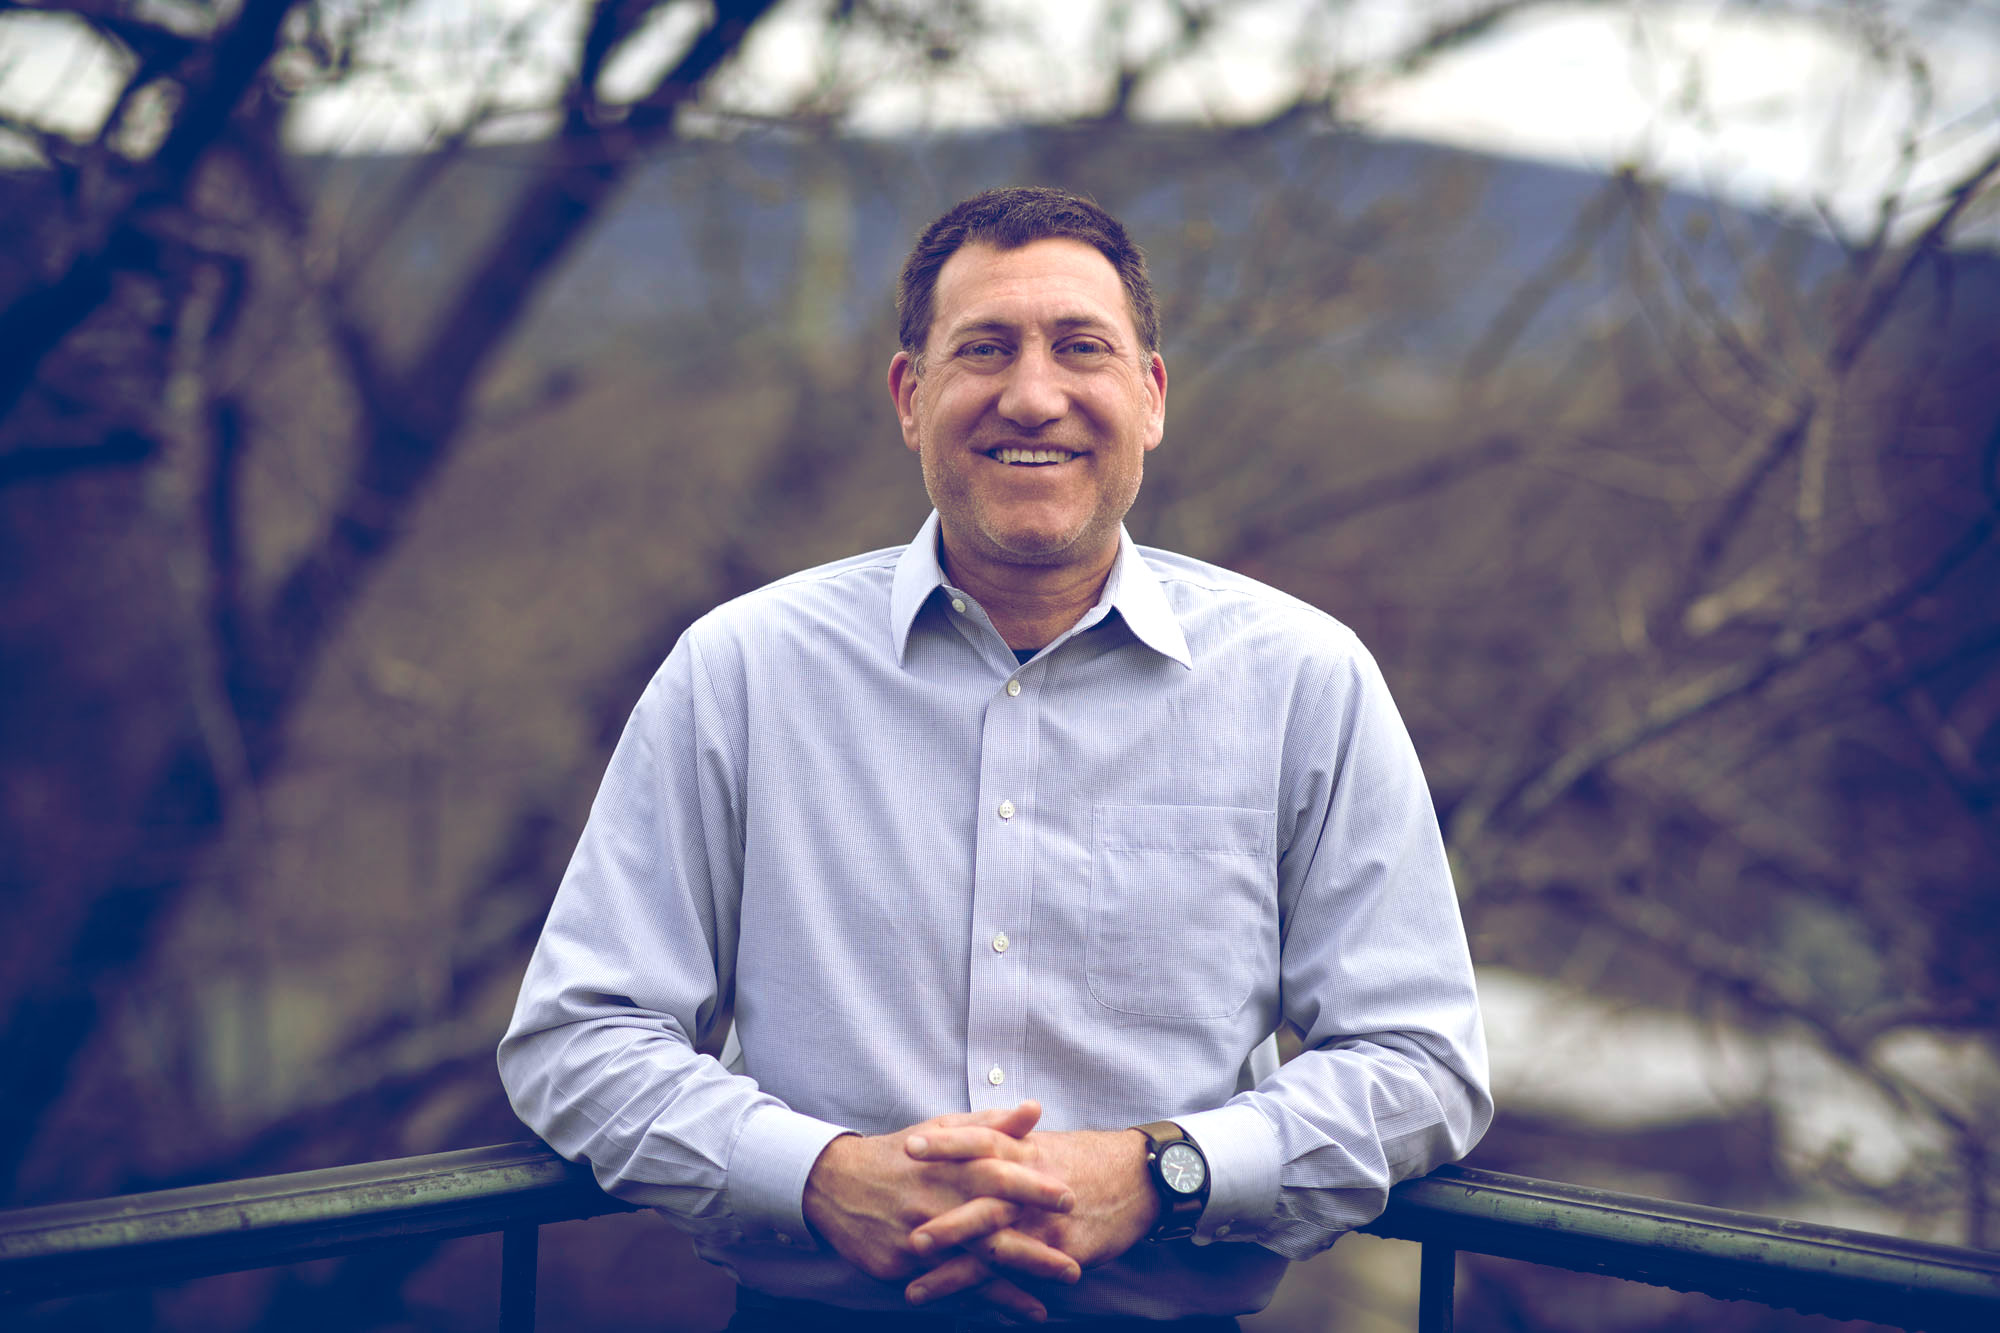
[1180,1177]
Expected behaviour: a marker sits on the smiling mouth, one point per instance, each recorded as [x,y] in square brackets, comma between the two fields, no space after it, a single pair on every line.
[1030,457]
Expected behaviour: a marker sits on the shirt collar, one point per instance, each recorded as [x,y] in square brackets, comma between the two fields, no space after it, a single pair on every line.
[1133,590]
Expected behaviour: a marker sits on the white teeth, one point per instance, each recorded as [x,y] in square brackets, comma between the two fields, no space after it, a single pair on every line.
[1033,455]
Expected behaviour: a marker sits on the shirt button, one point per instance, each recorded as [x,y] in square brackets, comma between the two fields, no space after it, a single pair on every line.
[1013,688]
[1000,942]
[995,1076]
[1222,1230]
[958,605]
[783,1239]
[1006,809]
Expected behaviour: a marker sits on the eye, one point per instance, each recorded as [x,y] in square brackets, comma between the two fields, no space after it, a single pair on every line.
[1086,346]
[984,350]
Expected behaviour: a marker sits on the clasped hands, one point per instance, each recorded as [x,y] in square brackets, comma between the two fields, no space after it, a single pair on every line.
[967,1202]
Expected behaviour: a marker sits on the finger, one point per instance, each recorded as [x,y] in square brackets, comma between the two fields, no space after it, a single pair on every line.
[961,1272]
[1018,1120]
[1004,1295]
[1018,1252]
[1013,1121]
[1016,1183]
[968,1221]
[962,1143]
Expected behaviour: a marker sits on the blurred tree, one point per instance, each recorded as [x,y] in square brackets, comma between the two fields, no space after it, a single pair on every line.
[168,216]
[1700,660]
[1741,603]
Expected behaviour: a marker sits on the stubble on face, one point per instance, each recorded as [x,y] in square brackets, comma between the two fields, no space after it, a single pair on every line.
[983,524]
[1032,349]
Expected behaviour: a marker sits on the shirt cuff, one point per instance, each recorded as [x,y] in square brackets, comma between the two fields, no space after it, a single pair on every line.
[767,1174]
[1242,1152]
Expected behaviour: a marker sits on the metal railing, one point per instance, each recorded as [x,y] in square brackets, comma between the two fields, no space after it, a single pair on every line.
[515,1188]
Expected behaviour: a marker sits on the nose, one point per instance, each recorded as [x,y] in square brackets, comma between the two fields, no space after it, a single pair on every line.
[1033,395]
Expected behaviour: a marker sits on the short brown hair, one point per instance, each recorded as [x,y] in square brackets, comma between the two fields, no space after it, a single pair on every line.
[1008,219]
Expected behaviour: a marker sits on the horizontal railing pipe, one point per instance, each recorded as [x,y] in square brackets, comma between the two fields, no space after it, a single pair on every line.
[171,1235]
[1718,1252]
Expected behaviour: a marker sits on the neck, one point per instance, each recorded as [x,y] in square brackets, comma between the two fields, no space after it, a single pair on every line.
[1029,604]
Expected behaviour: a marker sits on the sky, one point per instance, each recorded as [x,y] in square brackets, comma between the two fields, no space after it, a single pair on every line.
[1804,107]
[1762,108]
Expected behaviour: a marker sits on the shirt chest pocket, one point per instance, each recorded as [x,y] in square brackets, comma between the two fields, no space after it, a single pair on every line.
[1183,908]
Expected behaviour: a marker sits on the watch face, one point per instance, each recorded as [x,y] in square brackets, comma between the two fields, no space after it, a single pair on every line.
[1182,1168]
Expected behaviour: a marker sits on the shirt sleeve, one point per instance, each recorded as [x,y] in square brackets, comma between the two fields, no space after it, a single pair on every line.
[632,972]
[1376,979]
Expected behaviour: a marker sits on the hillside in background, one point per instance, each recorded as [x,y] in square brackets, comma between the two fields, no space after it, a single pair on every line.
[724,234]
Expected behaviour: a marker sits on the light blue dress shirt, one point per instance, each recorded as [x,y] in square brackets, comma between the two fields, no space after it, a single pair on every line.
[931,878]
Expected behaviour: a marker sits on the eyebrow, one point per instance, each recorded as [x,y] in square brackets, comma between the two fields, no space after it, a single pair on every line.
[1062,324]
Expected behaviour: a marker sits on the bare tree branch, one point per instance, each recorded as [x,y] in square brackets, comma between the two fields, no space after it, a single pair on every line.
[156,46]
[29,463]
[1561,267]
[1259,536]
[1881,297]
[1532,797]
[47,312]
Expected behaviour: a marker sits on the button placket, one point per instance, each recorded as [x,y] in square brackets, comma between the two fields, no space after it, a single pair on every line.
[997,1014]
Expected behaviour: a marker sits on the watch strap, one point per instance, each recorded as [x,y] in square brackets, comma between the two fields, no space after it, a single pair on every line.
[1179,1213]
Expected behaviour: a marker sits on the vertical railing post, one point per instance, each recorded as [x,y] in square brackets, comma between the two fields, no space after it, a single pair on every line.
[1434,1289]
[520,1250]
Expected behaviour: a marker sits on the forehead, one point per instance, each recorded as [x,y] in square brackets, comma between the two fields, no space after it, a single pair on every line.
[1043,284]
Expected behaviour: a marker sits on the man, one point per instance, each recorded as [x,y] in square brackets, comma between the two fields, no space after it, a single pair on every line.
[1010,850]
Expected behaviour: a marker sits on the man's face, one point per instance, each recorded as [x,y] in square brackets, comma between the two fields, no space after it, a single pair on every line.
[1035,408]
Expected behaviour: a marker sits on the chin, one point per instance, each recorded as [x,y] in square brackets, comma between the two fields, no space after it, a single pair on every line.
[1041,549]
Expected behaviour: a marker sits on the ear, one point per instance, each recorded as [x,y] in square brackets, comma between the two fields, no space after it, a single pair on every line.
[903,393]
[1156,389]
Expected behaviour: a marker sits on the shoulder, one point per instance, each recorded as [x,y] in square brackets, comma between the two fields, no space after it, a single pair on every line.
[813,611]
[1224,613]
[1278,656]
